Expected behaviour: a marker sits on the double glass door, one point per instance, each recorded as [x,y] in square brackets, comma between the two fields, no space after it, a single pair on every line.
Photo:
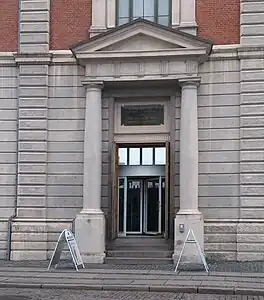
[141,206]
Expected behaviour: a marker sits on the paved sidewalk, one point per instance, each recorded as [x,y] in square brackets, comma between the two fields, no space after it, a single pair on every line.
[128,278]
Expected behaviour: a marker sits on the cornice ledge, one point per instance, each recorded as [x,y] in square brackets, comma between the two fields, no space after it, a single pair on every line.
[63,57]
[96,84]
[33,58]
[7,59]
[247,52]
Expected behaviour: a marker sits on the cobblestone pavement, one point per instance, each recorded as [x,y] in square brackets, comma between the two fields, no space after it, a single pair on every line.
[242,267]
[27,294]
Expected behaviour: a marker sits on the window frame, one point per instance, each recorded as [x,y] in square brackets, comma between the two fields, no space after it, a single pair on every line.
[156,16]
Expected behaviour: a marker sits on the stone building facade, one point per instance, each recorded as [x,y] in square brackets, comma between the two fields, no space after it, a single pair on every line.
[175,92]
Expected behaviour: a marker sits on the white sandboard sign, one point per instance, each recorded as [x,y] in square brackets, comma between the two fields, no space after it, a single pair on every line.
[193,240]
[66,238]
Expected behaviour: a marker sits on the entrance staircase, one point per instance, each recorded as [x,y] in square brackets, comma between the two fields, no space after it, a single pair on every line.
[145,250]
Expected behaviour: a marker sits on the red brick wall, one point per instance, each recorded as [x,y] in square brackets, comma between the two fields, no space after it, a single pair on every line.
[9,25]
[70,22]
[219,20]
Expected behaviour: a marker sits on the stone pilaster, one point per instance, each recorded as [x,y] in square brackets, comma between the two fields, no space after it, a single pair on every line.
[34,26]
[187,16]
[90,222]
[189,216]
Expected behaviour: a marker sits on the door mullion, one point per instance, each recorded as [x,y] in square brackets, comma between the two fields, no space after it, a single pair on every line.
[125,206]
[160,202]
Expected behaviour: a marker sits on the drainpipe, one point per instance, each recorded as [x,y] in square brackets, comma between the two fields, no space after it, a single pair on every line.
[10,219]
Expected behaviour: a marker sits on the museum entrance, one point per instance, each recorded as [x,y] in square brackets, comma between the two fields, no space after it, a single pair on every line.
[141,199]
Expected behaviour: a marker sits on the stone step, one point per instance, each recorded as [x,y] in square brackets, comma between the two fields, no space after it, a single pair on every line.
[138,261]
[141,242]
[140,254]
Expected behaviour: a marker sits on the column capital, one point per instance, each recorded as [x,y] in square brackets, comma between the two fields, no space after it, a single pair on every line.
[189,81]
[93,84]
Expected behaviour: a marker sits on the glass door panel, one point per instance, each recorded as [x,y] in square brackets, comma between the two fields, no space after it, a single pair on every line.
[134,206]
[152,206]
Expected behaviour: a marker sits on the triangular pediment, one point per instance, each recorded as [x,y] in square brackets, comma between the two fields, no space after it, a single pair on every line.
[141,35]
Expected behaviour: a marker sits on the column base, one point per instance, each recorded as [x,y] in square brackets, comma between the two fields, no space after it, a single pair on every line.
[191,259]
[90,235]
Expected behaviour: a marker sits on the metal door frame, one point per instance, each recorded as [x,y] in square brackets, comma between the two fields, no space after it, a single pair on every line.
[146,205]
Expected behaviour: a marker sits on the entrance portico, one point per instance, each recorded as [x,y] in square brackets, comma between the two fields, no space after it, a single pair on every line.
[139,52]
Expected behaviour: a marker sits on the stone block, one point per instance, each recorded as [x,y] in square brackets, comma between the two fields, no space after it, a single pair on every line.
[66,146]
[66,92]
[33,91]
[252,155]
[30,16]
[36,27]
[252,40]
[218,100]
[251,213]
[67,102]
[231,247]
[32,168]
[250,75]
[252,167]
[65,157]
[219,66]
[66,136]
[218,179]
[34,48]
[36,70]
[220,238]
[8,114]
[72,201]
[8,82]
[65,179]
[219,191]
[213,202]
[218,112]
[6,179]
[221,156]
[223,213]
[215,89]
[252,87]
[6,212]
[215,145]
[250,238]
[3,226]
[252,121]
[250,228]
[8,93]
[57,227]
[66,80]
[220,77]
[40,102]
[31,190]
[252,178]
[32,113]
[8,104]
[60,168]
[32,135]
[216,134]
[29,245]
[35,5]
[250,256]
[7,190]
[256,29]
[19,255]
[219,168]
[252,201]
[32,237]
[29,201]
[32,179]
[221,256]
[40,80]
[249,144]
[31,157]
[29,226]
[60,114]
[7,201]
[32,37]
[8,168]
[252,7]
[7,146]
[252,133]
[32,146]
[252,190]
[64,190]
[8,157]
[37,212]
[217,123]
[217,228]
[256,109]
[7,125]
[62,212]
[77,124]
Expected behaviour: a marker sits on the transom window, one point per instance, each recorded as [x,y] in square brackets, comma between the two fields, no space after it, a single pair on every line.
[147,156]
[158,11]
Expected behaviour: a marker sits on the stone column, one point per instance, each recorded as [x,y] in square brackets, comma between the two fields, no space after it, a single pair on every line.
[188,216]
[90,222]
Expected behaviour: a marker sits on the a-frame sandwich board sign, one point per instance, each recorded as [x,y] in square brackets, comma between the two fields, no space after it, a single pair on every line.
[66,238]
